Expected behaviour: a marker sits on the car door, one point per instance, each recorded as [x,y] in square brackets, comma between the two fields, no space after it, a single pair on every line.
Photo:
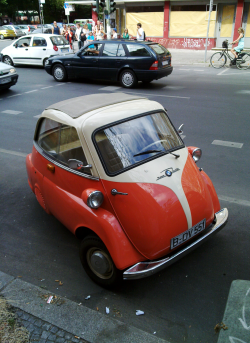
[21,51]
[111,60]
[62,185]
[85,63]
[38,50]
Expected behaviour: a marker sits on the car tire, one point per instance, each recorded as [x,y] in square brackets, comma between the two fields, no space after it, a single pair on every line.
[59,73]
[2,37]
[8,60]
[128,78]
[44,62]
[98,263]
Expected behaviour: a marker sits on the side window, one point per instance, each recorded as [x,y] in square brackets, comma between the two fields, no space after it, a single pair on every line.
[39,41]
[23,42]
[61,142]
[121,51]
[110,50]
[137,50]
[91,50]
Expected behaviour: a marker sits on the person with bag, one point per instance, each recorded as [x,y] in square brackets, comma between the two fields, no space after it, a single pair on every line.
[140,32]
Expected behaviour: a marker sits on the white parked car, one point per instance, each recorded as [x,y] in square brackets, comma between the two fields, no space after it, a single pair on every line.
[8,76]
[16,29]
[35,49]
[27,29]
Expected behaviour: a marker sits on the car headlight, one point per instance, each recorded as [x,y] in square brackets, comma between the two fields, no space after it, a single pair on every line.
[95,199]
[196,154]
[12,70]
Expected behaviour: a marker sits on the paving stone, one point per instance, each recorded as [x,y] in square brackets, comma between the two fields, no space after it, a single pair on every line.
[60,340]
[37,331]
[76,340]
[38,322]
[54,329]
[42,340]
[25,316]
[52,337]
[60,333]
[46,326]
[32,320]
[45,334]
[67,336]
[31,327]
[35,338]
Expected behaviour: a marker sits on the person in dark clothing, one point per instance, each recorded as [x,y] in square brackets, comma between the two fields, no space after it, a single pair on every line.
[55,29]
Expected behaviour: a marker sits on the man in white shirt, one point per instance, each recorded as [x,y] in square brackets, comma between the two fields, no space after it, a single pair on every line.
[140,32]
[78,35]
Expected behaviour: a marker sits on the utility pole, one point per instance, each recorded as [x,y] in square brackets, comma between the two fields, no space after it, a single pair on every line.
[208,25]
[108,18]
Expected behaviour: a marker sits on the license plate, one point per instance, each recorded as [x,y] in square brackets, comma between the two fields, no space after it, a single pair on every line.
[64,50]
[185,236]
[164,63]
[7,80]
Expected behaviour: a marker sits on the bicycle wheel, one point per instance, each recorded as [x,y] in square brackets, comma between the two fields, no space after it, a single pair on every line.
[218,60]
[244,62]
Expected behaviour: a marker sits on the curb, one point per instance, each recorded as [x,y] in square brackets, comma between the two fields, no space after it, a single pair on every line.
[69,316]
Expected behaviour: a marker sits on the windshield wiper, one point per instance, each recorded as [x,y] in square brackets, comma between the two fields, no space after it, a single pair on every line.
[147,152]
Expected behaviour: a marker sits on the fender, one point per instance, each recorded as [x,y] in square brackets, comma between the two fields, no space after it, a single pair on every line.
[212,191]
[126,66]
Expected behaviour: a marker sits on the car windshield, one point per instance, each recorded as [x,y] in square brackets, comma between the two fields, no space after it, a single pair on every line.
[135,141]
[159,49]
[7,27]
[59,40]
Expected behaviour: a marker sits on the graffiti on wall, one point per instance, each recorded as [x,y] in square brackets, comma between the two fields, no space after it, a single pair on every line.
[184,43]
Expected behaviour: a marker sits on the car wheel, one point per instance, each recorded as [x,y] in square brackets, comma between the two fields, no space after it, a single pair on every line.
[1,36]
[59,73]
[98,263]
[44,62]
[128,78]
[8,60]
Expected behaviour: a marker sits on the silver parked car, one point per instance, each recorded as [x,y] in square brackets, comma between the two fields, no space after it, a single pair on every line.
[8,76]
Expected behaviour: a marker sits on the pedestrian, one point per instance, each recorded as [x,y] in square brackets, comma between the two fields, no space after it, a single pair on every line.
[69,35]
[90,38]
[99,31]
[84,35]
[114,36]
[140,32]
[89,26]
[125,34]
[63,30]
[55,29]
[78,35]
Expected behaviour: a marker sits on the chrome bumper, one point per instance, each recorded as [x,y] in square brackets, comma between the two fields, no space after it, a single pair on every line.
[143,269]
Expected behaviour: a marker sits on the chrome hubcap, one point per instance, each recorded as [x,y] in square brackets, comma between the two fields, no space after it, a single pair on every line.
[127,79]
[7,60]
[59,74]
[100,263]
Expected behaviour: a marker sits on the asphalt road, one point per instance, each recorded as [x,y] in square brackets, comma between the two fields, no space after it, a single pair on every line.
[184,302]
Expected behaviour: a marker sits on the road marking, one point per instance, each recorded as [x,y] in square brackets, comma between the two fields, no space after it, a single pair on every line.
[173,87]
[12,112]
[244,73]
[184,69]
[47,87]
[182,136]
[11,96]
[61,84]
[11,152]
[38,116]
[164,96]
[230,144]
[34,90]
[235,201]
[222,72]
[243,91]
[198,69]
[109,88]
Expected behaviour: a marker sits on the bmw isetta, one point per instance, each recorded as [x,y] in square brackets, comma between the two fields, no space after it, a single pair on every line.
[114,170]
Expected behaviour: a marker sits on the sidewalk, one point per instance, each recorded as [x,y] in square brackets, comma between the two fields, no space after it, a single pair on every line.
[62,320]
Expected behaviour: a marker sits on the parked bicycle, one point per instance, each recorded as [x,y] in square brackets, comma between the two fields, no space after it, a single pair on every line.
[219,59]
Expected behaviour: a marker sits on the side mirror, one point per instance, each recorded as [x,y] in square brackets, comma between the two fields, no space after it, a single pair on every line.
[78,165]
[180,131]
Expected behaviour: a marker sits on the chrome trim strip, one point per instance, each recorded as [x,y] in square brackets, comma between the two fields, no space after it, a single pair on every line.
[45,155]
[143,269]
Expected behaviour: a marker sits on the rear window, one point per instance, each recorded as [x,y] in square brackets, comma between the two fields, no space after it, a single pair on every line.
[59,40]
[135,141]
[159,49]
[137,50]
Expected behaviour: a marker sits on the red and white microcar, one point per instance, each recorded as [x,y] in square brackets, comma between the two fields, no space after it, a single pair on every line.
[114,170]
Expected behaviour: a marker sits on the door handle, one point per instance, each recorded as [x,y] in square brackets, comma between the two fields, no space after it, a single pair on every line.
[115,192]
[44,49]
[26,49]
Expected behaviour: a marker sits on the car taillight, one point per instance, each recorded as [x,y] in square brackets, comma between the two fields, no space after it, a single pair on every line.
[55,47]
[154,66]
[28,29]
